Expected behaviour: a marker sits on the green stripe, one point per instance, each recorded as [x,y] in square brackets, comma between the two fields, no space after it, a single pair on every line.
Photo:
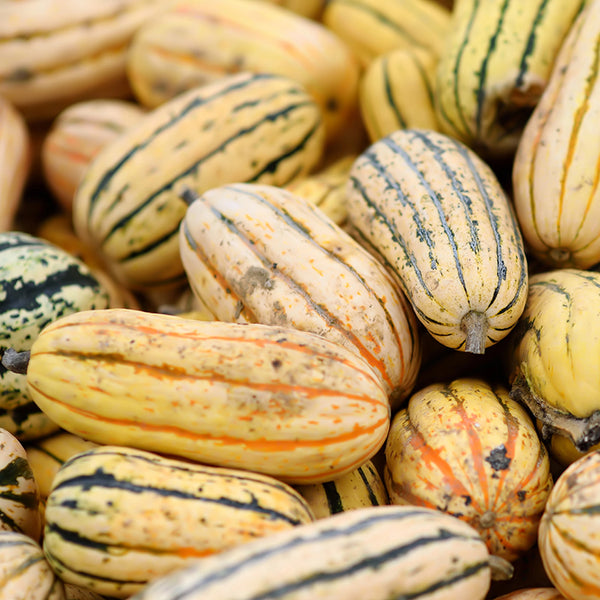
[361,471]
[389,94]
[334,501]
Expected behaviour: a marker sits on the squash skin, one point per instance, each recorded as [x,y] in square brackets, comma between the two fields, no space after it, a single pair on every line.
[117,517]
[263,398]
[467,449]
[568,534]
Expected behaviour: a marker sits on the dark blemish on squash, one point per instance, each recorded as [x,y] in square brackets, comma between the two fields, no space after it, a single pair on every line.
[255,277]
[498,459]
[276,363]
[20,74]
[467,500]
[521,495]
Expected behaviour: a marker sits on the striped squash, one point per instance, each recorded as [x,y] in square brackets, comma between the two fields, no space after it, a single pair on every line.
[243,127]
[374,27]
[19,492]
[326,188]
[397,92]
[263,398]
[568,535]
[117,518]
[15,161]
[39,283]
[437,217]
[196,42]
[54,53]
[258,254]
[467,449]
[47,455]
[553,354]
[496,62]
[75,138]
[25,574]
[555,171]
[376,553]
[358,489]
[533,594]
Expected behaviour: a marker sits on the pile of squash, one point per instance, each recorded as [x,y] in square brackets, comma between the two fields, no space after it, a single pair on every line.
[300,299]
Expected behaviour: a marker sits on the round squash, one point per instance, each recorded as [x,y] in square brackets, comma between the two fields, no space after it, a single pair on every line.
[467,449]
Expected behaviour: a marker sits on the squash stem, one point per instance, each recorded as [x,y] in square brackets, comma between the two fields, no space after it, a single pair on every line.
[501,569]
[16,362]
[188,195]
[475,325]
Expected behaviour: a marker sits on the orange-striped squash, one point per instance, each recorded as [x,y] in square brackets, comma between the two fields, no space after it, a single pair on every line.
[466,448]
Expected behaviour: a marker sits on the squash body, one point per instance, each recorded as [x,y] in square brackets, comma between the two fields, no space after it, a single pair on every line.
[39,283]
[556,193]
[75,138]
[533,594]
[263,398]
[374,27]
[437,217]
[467,449]
[198,41]
[495,64]
[19,492]
[24,571]
[54,53]
[118,517]
[377,553]
[553,354]
[127,206]
[358,489]
[569,535]
[240,245]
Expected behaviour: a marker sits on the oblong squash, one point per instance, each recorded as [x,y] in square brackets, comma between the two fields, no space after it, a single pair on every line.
[127,206]
[568,535]
[269,399]
[467,449]
[555,171]
[377,553]
[259,254]
[117,518]
[437,217]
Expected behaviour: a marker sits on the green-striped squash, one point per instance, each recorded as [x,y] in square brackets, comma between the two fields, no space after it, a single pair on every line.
[19,492]
[555,171]
[397,91]
[54,53]
[464,447]
[75,138]
[243,127]
[358,489]
[196,42]
[263,398]
[47,455]
[25,574]
[568,535]
[437,217]
[374,27]
[376,553]
[259,254]
[117,518]
[495,64]
[39,283]
[553,354]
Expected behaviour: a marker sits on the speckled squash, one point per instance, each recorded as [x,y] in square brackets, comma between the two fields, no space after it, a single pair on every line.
[19,492]
[39,282]
[569,535]
[263,398]
[198,41]
[54,53]
[15,158]
[437,217]
[553,353]
[128,207]
[25,574]
[116,517]
[357,489]
[467,449]
[377,553]
[240,245]
[76,136]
